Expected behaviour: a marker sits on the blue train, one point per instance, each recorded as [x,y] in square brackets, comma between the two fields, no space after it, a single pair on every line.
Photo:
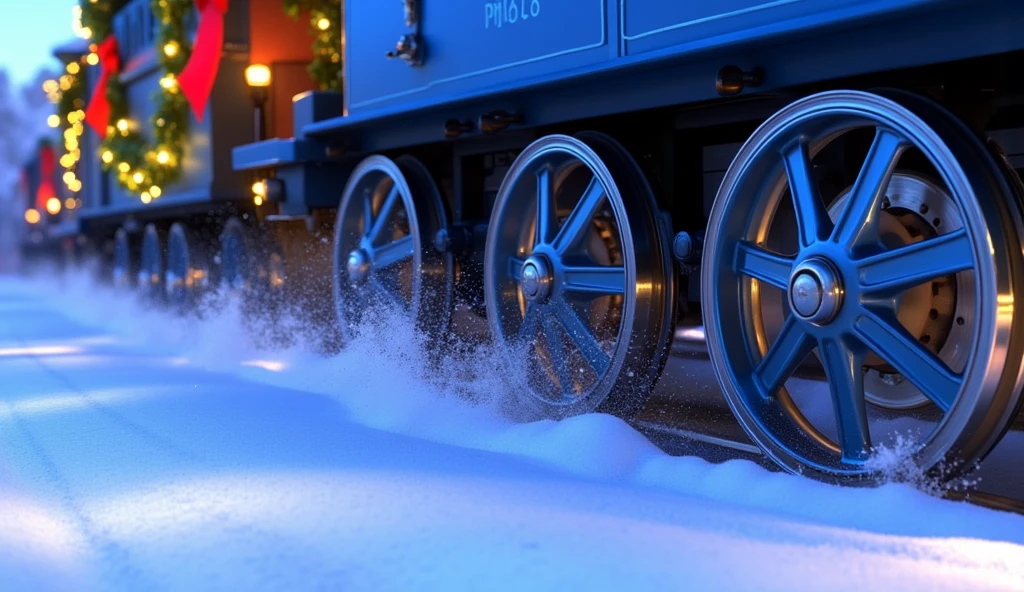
[788,229]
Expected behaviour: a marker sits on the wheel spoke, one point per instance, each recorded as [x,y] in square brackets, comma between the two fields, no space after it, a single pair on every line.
[581,337]
[787,351]
[552,340]
[858,222]
[529,325]
[393,252]
[385,296]
[384,214]
[887,338]
[515,268]
[579,220]
[547,211]
[846,381]
[898,270]
[813,223]
[758,263]
[595,280]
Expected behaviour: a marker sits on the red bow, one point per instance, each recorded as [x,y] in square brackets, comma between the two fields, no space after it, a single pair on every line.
[97,114]
[46,189]
[197,78]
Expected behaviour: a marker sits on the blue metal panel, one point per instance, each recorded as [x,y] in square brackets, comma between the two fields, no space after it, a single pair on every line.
[654,24]
[468,44]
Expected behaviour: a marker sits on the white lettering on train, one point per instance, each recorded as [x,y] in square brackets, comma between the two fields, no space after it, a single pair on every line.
[509,12]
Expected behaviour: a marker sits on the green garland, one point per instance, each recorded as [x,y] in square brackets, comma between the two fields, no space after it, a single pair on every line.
[325,69]
[143,167]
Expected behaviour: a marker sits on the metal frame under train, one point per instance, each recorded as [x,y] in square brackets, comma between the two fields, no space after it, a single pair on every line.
[795,240]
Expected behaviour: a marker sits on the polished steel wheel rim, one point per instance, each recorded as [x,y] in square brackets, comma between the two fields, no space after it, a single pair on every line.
[383,246]
[576,278]
[841,289]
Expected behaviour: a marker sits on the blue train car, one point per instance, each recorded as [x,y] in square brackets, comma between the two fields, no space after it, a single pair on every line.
[801,214]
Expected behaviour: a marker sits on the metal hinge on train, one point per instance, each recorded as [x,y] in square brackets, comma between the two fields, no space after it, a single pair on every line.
[410,46]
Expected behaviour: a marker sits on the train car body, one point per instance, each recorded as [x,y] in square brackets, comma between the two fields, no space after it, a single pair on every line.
[680,213]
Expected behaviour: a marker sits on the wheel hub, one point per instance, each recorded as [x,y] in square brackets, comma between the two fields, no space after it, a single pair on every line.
[536,279]
[358,266]
[815,291]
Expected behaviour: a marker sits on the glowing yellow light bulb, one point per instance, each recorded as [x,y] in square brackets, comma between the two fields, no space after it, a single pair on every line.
[122,125]
[69,176]
[32,216]
[323,24]
[163,157]
[171,49]
[155,191]
[53,120]
[169,82]
[257,200]
[73,68]
[107,156]
[260,188]
[145,197]
[69,203]
[92,59]
[123,167]
[53,206]
[138,177]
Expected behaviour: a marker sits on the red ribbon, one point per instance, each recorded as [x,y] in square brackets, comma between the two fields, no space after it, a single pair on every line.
[47,164]
[97,114]
[196,80]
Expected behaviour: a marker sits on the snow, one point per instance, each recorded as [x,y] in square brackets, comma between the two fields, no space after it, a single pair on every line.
[139,450]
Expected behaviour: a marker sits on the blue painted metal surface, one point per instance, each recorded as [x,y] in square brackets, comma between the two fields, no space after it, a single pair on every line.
[471,45]
[468,44]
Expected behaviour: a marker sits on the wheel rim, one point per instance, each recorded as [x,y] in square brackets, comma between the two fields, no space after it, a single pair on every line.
[235,259]
[843,287]
[185,276]
[562,296]
[151,263]
[383,246]
[122,259]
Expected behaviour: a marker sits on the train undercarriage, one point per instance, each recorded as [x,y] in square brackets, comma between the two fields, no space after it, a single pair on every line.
[803,278]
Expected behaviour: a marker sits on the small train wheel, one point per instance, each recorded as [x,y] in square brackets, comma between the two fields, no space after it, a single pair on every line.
[237,260]
[577,279]
[383,246]
[151,265]
[904,278]
[121,272]
[188,274]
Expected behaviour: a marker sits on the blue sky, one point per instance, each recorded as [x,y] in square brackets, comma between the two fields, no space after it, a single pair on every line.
[29,29]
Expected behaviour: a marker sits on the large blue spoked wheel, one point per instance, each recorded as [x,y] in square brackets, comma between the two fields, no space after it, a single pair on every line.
[900,288]
[577,279]
[384,255]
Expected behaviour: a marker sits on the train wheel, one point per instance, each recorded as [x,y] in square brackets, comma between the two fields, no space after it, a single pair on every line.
[383,246]
[122,260]
[577,279]
[238,260]
[151,265]
[902,278]
[188,274]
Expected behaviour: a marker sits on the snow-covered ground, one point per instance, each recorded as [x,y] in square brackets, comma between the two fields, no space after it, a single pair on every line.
[142,451]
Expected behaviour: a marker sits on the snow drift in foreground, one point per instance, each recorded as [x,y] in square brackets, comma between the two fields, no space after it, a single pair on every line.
[384,382]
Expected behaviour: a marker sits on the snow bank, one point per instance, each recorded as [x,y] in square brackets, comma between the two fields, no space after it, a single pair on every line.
[387,380]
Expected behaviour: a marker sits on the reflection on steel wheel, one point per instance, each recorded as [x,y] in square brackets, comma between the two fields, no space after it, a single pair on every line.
[839,288]
[576,278]
[383,246]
